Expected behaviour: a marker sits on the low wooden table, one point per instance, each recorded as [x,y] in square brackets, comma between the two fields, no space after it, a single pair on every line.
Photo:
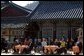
[20,47]
[50,48]
[75,49]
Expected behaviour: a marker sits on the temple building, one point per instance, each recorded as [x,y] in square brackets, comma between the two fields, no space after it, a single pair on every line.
[13,20]
[55,19]
[58,19]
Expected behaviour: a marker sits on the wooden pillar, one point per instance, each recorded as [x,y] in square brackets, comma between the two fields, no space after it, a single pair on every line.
[70,33]
[9,33]
[54,31]
[40,29]
[38,34]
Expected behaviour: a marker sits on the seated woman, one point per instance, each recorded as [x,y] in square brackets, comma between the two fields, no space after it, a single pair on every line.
[56,42]
[63,46]
[30,46]
[44,43]
[26,43]
[38,45]
[51,41]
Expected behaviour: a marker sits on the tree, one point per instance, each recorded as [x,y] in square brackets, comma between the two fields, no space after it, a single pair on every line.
[32,29]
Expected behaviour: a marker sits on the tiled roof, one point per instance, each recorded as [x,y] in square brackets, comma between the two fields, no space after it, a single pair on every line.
[58,9]
[22,19]
[15,5]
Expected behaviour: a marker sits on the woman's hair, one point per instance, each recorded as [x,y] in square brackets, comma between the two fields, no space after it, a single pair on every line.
[21,43]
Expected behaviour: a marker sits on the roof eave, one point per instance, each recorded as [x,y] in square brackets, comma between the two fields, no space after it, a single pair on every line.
[22,8]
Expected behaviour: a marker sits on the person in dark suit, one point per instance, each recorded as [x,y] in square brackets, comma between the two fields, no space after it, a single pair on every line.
[51,41]
[56,42]
[38,45]
[4,45]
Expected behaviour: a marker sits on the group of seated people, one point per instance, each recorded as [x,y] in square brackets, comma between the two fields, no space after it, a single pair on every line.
[26,45]
[22,45]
